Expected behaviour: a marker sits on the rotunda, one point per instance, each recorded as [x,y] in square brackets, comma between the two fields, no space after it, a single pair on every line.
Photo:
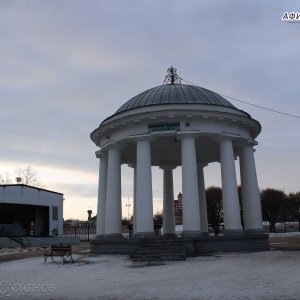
[169,126]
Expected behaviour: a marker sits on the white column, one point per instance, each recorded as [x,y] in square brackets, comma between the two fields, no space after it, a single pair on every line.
[60,220]
[250,191]
[113,211]
[134,201]
[168,201]
[50,221]
[190,197]
[202,199]
[134,197]
[232,218]
[101,194]
[144,205]
[243,197]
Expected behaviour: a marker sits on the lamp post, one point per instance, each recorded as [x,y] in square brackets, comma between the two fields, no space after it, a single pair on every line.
[128,205]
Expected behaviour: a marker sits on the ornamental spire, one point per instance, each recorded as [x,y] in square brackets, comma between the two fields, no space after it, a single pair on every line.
[172,77]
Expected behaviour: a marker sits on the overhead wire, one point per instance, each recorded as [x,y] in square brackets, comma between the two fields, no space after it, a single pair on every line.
[258,106]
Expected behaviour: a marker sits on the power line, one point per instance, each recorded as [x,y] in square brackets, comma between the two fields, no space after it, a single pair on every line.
[261,107]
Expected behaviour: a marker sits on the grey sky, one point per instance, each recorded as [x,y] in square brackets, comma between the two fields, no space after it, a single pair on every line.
[65,66]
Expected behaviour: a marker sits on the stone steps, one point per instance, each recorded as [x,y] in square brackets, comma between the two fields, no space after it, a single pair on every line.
[160,250]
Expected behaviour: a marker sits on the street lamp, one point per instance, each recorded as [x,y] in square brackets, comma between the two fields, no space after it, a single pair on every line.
[128,205]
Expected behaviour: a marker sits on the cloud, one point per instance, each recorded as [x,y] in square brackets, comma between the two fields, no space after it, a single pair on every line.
[67,66]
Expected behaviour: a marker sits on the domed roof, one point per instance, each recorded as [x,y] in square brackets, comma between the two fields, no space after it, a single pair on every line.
[174,94]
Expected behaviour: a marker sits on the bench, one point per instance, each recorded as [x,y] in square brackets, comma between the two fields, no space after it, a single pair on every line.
[62,250]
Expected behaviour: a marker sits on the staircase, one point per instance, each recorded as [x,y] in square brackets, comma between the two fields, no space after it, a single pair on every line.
[160,250]
[15,238]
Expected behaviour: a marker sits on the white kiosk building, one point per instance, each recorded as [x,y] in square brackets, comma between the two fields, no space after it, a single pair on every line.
[31,216]
[169,126]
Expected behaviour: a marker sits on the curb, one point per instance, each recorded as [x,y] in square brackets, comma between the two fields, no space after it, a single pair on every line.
[7,251]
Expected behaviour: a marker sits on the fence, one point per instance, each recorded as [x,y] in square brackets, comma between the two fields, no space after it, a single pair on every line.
[88,233]
[85,233]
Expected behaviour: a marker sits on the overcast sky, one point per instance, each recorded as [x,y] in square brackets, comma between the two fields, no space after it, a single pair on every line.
[66,65]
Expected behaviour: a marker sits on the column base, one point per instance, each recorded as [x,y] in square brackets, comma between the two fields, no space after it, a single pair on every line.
[233,232]
[254,231]
[205,233]
[113,236]
[99,237]
[191,233]
[169,235]
[144,235]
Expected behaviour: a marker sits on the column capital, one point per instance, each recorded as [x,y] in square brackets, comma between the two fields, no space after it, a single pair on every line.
[245,144]
[100,153]
[248,143]
[142,137]
[168,166]
[112,144]
[227,136]
[184,134]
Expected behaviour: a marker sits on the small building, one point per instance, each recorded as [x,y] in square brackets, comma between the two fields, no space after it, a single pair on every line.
[29,211]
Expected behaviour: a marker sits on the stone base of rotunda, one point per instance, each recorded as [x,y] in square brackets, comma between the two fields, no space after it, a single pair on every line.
[230,243]
[194,245]
[114,246]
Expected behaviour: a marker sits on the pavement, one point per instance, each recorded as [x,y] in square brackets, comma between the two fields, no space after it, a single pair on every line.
[266,275]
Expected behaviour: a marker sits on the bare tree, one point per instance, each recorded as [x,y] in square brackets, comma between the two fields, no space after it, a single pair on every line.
[214,207]
[271,204]
[5,179]
[295,206]
[158,218]
[286,211]
[28,176]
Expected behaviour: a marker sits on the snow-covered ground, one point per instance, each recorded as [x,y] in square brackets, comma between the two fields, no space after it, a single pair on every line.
[285,234]
[256,275]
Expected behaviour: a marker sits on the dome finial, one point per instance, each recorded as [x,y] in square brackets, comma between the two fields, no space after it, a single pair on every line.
[172,77]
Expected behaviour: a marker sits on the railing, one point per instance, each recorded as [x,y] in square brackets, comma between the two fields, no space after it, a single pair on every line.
[13,237]
[85,233]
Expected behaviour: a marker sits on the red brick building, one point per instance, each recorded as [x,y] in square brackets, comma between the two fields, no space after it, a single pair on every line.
[178,209]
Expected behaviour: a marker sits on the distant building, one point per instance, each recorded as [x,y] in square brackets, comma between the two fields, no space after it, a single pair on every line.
[30,211]
[91,221]
[71,222]
[178,205]
[87,223]
[178,209]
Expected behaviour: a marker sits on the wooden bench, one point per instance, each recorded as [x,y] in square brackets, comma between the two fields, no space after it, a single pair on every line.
[62,250]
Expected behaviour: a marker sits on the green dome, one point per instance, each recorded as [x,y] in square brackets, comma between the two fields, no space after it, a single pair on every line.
[174,94]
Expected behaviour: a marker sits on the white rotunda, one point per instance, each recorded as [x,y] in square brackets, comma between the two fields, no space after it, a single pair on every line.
[169,126]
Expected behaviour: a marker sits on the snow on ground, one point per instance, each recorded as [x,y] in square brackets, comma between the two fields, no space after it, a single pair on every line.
[285,234]
[256,275]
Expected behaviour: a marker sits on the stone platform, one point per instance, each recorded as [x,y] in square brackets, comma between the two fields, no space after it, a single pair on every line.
[194,245]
